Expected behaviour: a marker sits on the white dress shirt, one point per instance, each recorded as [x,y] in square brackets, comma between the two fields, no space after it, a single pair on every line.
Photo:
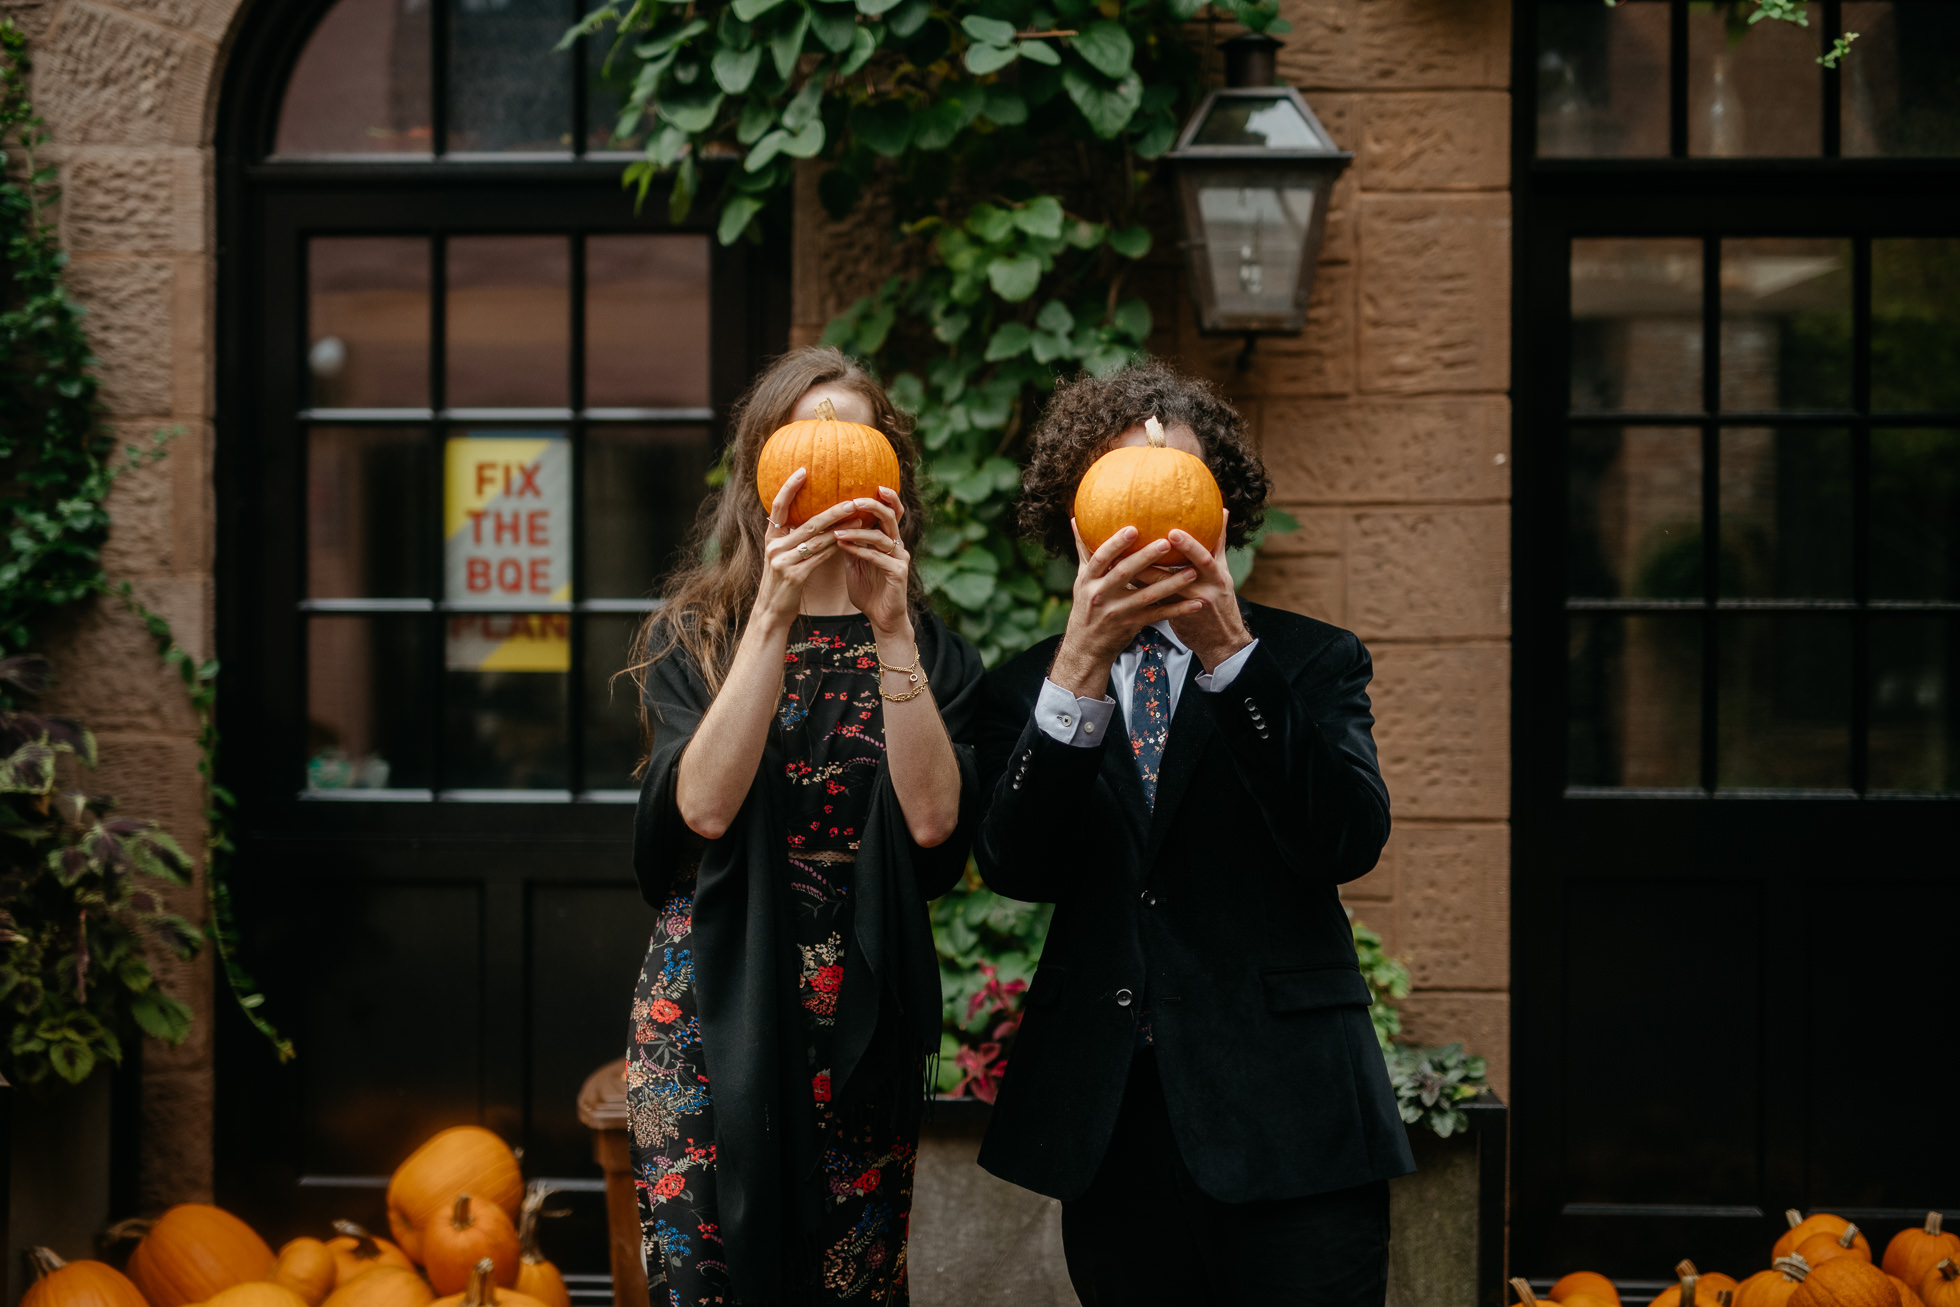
[1081,722]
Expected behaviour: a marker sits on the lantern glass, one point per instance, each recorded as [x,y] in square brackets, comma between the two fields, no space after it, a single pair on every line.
[1253,229]
[1272,122]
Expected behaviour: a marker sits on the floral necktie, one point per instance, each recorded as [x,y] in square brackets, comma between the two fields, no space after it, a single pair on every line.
[1150,708]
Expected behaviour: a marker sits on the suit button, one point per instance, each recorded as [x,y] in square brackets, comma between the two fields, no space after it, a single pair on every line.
[1149,899]
[1123,997]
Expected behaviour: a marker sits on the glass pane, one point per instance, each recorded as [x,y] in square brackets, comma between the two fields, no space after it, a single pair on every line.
[1754,89]
[606,90]
[1915,515]
[509,87]
[365,724]
[361,86]
[1902,96]
[1786,324]
[643,487]
[1915,727]
[1786,514]
[509,322]
[1916,325]
[504,702]
[612,722]
[367,500]
[507,524]
[1633,701]
[646,321]
[1784,702]
[367,322]
[1271,122]
[1636,326]
[1254,236]
[1634,513]
[1602,80]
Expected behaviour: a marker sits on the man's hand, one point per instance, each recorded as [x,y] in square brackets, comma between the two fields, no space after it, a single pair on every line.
[1216,630]
[1110,608]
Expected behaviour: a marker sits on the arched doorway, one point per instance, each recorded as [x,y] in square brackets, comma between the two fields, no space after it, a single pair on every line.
[468,398]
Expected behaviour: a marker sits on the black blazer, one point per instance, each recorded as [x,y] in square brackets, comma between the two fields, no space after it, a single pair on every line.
[1219,910]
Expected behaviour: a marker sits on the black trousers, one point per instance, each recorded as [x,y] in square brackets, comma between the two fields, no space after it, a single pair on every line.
[1145,1234]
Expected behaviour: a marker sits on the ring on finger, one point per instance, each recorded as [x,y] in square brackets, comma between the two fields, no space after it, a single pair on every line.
[803,551]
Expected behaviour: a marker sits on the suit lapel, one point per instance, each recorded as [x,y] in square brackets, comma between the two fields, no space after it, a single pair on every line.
[1191,728]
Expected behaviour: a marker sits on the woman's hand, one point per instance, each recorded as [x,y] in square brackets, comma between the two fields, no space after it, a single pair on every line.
[1216,631]
[790,555]
[877,568]
[1111,606]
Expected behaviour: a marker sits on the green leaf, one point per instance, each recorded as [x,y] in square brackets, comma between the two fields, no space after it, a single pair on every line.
[1040,52]
[804,108]
[1084,235]
[1055,317]
[1107,48]
[909,17]
[935,126]
[732,32]
[735,69]
[766,150]
[1105,359]
[872,330]
[1014,278]
[659,45]
[908,392]
[876,8]
[834,27]
[161,1016]
[1048,346]
[885,126]
[1040,216]
[1185,10]
[735,217]
[990,222]
[758,116]
[693,113]
[1157,138]
[984,59]
[1132,318]
[1107,109]
[72,1060]
[787,43]
[1005,106]
[1009,339]
[750,10]
[969,589]
[864,44]
[991,31]
[1131,242]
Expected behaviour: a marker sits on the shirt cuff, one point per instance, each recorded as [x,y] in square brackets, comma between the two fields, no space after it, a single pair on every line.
[1068,720]
[1222,676]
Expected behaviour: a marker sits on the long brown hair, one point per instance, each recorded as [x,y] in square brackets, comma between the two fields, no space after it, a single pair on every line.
[707,598]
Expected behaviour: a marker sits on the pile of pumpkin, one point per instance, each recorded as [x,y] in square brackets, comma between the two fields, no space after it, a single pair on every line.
[465,1235]
[1820,1261]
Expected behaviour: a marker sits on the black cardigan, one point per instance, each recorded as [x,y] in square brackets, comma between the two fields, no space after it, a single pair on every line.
[889,1014]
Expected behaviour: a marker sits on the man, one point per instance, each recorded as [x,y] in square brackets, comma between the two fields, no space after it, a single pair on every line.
[1197,1078]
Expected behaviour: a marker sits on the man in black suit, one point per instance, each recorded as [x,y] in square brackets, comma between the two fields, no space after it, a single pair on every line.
[1197,1078]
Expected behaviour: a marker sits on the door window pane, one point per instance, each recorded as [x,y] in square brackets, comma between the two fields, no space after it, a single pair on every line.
[606,91]
[1915,515]
[1635,502]
[613,746]
[1916,325]
[510,88]
[1915,717]
[509,322]
[1636,326]
[1633,696]
[507,518]
[365,724]
[1786,324]
[1901,96]
[1786,514]
[1753,88]
[504,701]
[1602,80]
[1784,702]
[643,488]
[367,322]
[646,322]
[367,498]
[361,86]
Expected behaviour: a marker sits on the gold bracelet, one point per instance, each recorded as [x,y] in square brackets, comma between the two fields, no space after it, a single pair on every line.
[915,674]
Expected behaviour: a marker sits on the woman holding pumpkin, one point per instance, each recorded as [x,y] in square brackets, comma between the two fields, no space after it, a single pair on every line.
[802,799]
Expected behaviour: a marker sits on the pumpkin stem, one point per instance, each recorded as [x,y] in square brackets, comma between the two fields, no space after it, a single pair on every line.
[1154,431]
[1518,1282]
[124,1232]
[1724,1297]
[1948,1271]
[46,1261]
[826,411]
[1684,1268]
[482,1290]
[527,1221]
[365,1247]
[1849,1236]
[460,1218]
[1933,1220]
[1793,1216]
[1794,1267]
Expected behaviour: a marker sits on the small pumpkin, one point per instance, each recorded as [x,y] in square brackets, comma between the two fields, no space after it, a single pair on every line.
[1916,1250]
[482,1291]
[77,1284]
[256,1293]
[1153,488]
[1940,1287]
[1802,1227]
[1848,1242]
[1693,1287]
[306,1266]
[461,1159]
[473,1232]
[356,1251]
[845,460]
[1772,1288]
[1591,1283]
[1907,1298]
[193,1251]
[383,1285]
[536,1276]
[1846,1282]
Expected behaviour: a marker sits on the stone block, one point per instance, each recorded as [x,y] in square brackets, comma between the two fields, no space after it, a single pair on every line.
[1435,301]
[142,526]
[130,324]
[1319,361]
[1456,905]
[1396,44]
[31,16]
[1480,1022]
[976,1240]
[1430,572]
[1389,450]
[1443,728]
[110,78]
[153,778]
[1435,141]
[1310,584]
[134,201]
[194,302]
[180,14]
[1322,531]
[1337,239]
[177,1162]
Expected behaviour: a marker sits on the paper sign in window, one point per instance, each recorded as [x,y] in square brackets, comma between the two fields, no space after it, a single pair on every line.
[507,524]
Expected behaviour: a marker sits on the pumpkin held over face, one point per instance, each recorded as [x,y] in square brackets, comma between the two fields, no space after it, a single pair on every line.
[78,1284]
[845,460]
[1153,488]
[462,1159]
[193,1251]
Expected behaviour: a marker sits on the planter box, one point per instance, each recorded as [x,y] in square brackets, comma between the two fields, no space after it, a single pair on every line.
[57,1152]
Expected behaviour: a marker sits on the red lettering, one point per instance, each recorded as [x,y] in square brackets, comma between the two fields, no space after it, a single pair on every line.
[537,525]
[540,576]
[486,476]
[527,482]
[507,528]
[510,576]
[476,525]
[477,574]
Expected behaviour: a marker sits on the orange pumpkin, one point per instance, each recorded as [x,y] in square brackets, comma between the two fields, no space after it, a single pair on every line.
[1591,1283]
[256,1293]
[462,1159]
[384,1285]
[193,1251]
[537,1277]
[1940,1287]
[1772,1288]
[356,1251]
[77,1284]
[1693,1287]
[1802,1227]
[1846,1282]
[1916,1250]
[482,1291]
[1907,1298]
[845,460]
[1153,488]
[474,1232]
[306,1266]
[1848,1242]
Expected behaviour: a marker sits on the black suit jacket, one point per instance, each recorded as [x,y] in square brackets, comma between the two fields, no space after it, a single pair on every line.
[1218,910]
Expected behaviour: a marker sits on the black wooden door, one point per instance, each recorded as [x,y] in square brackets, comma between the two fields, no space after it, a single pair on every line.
[1737,675]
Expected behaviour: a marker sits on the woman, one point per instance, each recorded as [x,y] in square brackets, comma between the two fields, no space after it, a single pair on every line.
[801,802]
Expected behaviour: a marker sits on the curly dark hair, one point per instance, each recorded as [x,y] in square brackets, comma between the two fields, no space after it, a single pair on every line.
[1088,412]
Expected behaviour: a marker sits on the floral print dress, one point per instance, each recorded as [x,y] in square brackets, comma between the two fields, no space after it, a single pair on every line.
[831,725]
